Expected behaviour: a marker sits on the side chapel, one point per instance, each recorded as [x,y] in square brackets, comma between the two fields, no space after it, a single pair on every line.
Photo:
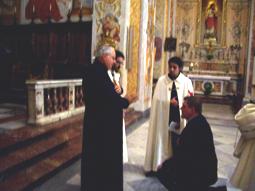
[46,44]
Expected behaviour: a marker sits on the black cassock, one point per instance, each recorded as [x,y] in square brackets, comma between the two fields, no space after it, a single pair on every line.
[101,164]
[194,166]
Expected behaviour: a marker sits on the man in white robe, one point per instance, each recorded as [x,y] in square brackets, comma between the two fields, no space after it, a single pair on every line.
[244,174]
[159,140]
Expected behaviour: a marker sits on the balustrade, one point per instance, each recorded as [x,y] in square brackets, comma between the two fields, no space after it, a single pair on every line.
[53,100]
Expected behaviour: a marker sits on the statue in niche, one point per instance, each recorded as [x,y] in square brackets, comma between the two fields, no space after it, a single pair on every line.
[211,22]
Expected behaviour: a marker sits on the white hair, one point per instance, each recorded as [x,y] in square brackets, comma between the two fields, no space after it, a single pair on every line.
[105,49]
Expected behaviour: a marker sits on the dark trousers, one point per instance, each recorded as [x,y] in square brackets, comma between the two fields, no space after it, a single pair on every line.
[167,175]
[174,137]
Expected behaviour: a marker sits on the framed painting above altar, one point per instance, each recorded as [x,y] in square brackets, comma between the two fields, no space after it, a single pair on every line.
[210,22]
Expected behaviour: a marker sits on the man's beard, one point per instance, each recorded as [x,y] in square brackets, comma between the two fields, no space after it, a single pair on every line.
[115,69]
[173,76]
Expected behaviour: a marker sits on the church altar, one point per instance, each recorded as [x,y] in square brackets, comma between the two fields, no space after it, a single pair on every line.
[211,40]
[214,85]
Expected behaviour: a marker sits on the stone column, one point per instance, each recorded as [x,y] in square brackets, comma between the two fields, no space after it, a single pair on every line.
[249,73]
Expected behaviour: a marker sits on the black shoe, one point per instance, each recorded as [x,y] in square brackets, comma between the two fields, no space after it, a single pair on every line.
[150,174]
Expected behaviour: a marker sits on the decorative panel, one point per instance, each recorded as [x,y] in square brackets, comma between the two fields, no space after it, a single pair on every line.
[185,26]
[107,23]
[150,54]
[135,12]
[214,85]
[237,24]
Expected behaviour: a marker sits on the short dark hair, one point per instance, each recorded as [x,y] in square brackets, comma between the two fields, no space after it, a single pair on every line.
[176,60]
[119,54]
[194,102]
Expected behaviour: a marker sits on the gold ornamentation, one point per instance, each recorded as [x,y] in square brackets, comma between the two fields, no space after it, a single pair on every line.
[107,23]
[237,7]
[110,1]
[110,33]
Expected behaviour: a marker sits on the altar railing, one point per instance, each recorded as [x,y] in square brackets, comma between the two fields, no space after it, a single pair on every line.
[53,100]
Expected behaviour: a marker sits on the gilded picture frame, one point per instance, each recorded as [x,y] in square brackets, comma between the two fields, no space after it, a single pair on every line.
[211,13]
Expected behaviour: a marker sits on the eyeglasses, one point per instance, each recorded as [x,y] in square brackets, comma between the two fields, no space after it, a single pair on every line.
[119,62]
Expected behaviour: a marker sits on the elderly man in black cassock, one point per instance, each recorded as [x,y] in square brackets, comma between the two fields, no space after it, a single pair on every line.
[101,164]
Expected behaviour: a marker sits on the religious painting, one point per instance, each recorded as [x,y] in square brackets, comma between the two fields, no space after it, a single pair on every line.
[212,17]
[110,30]
[42,11]
[111,27]
[65,7]
[80,8]
[9,11]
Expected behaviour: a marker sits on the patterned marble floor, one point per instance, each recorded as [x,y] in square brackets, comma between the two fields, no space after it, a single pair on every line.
[225,134]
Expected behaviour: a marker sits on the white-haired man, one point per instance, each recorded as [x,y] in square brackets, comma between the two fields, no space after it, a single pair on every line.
[101,164]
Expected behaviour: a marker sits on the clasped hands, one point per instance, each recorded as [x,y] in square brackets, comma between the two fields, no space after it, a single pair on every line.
[118,88]
[174,102]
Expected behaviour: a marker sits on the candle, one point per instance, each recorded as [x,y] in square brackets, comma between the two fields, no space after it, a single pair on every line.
[191,66]
[15,10]
[81,3]
[70,6]
[33,8]
[50,7]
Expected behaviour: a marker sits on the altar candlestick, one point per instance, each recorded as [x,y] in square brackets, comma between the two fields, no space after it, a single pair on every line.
[70,6]
[80,15]
[14,15]
[69,11]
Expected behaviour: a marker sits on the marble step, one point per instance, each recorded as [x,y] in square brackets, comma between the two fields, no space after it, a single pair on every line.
[14,139]
[25,156]
[12,118]
[132,116]
[29,178]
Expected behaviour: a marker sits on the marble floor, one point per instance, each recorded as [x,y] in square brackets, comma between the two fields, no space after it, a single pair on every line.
[225,135]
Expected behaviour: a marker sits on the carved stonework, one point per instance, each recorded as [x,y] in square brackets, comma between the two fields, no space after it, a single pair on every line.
[110,33]
[237,7]
[214,85]
[236,31]
[187,6]
[185,26]
[49,101]
[107,22]
[110,1]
